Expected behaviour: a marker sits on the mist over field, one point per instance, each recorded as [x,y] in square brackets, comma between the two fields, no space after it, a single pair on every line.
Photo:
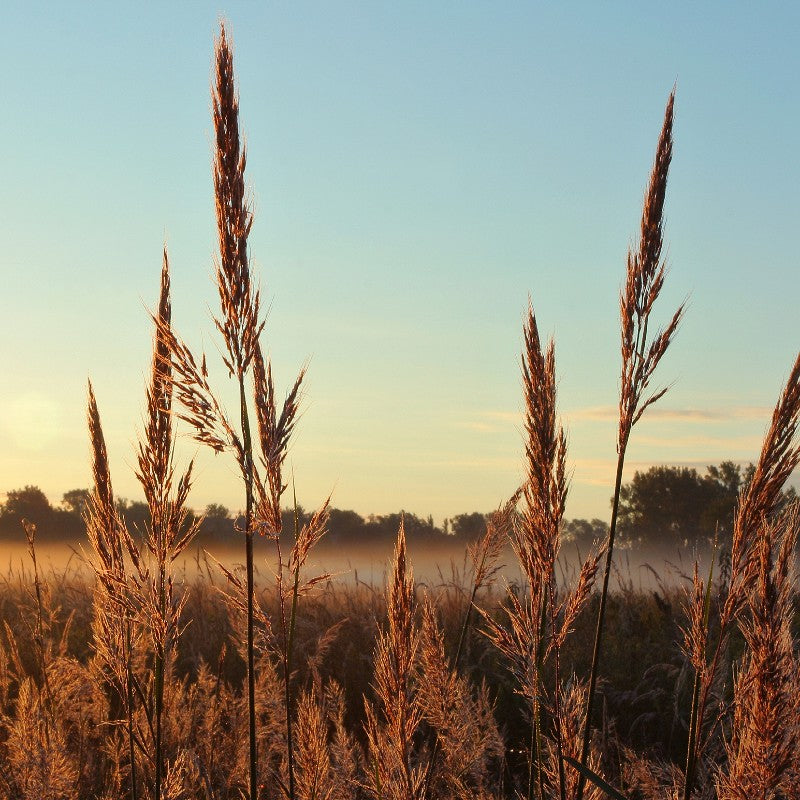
[434,566]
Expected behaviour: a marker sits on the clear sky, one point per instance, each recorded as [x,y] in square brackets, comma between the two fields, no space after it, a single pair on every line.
[417,170]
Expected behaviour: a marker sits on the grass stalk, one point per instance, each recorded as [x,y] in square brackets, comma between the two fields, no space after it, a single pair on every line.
[289,651]
[107,535]
[694,718]
[484,555]
[757,505]
[159,708]
[247,472]
[30,535]
[536,709]
[640,356]
[129,706]
[169,531]
[601,612]
[240,325]
[557,692]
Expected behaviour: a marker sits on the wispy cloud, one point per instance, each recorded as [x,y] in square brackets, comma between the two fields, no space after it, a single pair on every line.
[600,472]
[705,442]
[496,421]
[687,415]
[505,464]
[593,471]
[490,421]
[476,425]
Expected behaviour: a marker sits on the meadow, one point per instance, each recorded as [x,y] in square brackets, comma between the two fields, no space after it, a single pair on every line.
[142,679]
[645,676]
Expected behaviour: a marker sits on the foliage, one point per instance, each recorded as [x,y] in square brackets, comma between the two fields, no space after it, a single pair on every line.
[468,527]
[30,503]
[75,501]
[583,533]
[672,506]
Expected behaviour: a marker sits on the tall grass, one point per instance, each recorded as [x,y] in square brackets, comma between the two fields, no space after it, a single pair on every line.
[756,536]
[170,531]
[642,350]
[539,622]
[113,619]
[240,324]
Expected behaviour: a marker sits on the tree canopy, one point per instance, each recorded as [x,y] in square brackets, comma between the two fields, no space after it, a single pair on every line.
[31,503]
[677,506]
[75,501]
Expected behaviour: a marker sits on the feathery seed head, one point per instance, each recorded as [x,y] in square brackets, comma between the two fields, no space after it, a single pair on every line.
[154,472]
[240,301]
[644,281]
[545,490]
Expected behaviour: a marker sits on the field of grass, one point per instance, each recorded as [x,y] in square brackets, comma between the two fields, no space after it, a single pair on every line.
[137,680]
[64,738]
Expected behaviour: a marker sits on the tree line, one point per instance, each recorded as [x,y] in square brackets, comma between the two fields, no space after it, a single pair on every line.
[667,506]
[65,521]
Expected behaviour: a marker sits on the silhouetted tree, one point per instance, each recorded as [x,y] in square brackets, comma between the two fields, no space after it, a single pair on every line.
[345,526]
[74,501]
[671,506]
[583,533]
[667,506]
[216,511]
[386,527]
[135,513]
[29,503]
[468,527]
[217,521]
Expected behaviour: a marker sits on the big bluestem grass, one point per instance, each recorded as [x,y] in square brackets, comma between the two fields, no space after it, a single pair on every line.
[114,635]
[538,622]
[641,352]
[169,531]
[240,325]
[755,538]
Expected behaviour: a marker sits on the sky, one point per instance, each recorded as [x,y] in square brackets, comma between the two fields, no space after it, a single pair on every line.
[417,171]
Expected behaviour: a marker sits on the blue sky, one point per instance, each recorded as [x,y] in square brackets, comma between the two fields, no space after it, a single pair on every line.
[417,170]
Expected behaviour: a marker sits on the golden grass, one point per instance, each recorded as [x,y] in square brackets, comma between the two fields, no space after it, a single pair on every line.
[645,690]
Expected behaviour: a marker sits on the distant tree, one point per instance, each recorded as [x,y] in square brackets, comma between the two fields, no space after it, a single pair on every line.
[135,513]
[216,520]
[75,500]
[345,526]
[666,505]
[727,480]
[216,511]
[29,503]
[288,523]
[386,527]
[583,533]
[468,527]
[679,506]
